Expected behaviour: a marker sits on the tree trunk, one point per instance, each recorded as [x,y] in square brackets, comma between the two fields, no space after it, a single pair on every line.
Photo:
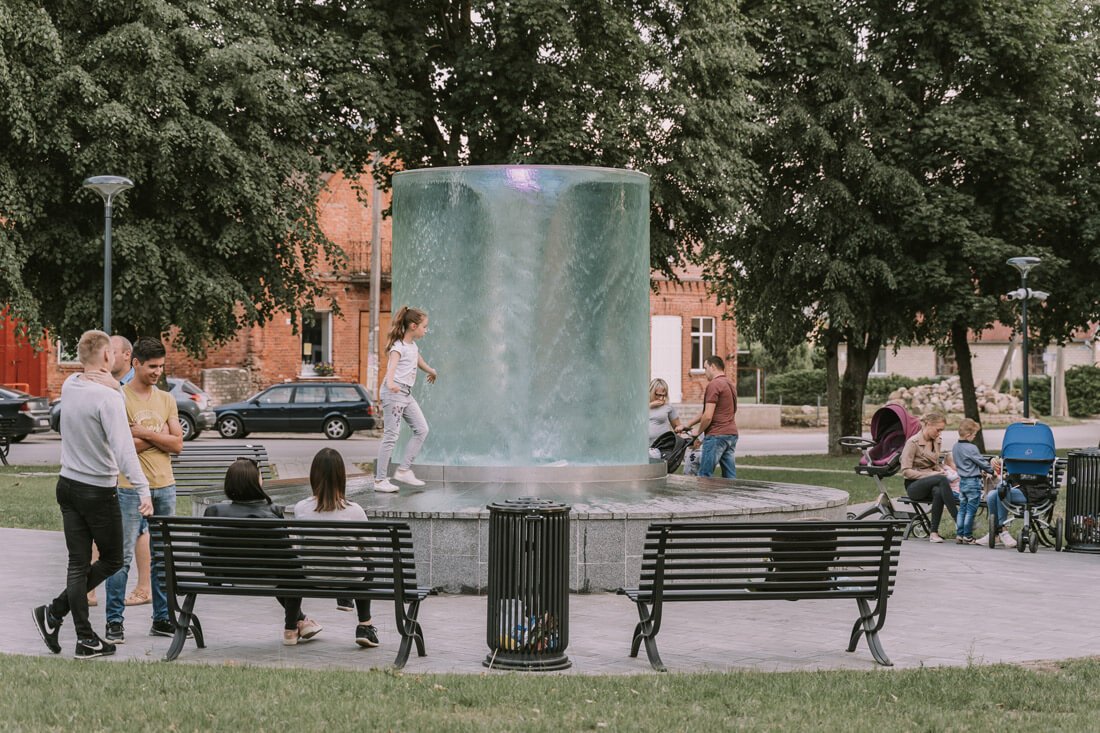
[831,342]
[961,344]
[861,355]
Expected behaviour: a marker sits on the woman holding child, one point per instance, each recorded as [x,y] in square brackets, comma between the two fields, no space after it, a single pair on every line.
[924,473]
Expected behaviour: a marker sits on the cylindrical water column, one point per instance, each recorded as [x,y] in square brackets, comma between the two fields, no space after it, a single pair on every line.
[536,283]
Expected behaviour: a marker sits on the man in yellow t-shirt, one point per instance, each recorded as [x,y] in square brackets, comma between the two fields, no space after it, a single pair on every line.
[155,426]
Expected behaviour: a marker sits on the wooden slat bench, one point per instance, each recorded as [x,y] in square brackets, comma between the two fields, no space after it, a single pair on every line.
[289,558]
[750,561]
[202,466]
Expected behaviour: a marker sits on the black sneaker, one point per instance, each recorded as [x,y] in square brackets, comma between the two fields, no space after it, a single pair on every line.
[115,633]
[48,627]
[165,627]
[366,636]
[345,604]
[92,648]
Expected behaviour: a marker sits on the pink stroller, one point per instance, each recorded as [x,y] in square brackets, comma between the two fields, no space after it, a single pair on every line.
[880,458]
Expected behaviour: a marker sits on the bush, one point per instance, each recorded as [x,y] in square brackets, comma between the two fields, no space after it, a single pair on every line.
[1083,390]
[1038,394]
[797,388]
[879,388]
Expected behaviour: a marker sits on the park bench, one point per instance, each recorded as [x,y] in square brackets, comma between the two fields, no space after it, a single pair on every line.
[202,466]
[750,561]
[291,558]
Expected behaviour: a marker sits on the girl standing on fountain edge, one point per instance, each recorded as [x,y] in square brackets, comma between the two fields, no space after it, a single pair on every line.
[409,326]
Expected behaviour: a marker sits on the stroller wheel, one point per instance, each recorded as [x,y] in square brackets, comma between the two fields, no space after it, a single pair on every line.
[851,515]
[1059,528]
[1033,545]
[992,532]
[1021,545]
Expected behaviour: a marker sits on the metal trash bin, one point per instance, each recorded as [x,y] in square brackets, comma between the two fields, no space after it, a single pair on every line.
[1083,501]
[528,618]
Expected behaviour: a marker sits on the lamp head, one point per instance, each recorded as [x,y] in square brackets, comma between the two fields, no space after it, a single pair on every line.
[1024,264]
[108,186]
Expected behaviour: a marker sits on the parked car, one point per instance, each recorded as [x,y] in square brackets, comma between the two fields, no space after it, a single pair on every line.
[336,409]
[193,405]
[31,414]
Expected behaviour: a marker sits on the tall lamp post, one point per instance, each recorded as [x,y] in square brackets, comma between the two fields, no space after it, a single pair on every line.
[1024,294]
[108,187]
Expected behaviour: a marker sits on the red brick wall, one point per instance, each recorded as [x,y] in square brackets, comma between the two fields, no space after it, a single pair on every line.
[689,299]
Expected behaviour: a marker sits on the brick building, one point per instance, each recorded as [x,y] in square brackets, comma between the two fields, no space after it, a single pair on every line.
[687,324]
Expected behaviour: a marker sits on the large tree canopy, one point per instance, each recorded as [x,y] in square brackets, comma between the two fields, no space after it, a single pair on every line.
[226,114]
[211,119]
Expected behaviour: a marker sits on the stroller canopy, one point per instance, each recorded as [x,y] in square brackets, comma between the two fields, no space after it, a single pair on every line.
[891,426]
[1028,448]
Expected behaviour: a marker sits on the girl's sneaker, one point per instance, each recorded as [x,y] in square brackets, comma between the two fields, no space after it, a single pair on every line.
[308,628]
[385,486]
[406,476]
[345,604]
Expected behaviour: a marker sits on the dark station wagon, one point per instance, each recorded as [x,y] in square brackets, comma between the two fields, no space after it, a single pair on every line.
[336,409]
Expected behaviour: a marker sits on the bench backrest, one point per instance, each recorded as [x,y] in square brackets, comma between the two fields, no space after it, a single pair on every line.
[791,560]
[286,557]
[203,465]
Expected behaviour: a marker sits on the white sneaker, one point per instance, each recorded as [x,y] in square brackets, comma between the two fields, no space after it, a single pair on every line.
[983,540]
[406,476]
[1006,539]
[384,486]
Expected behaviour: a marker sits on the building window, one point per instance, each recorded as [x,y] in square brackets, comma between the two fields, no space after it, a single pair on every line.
[66,354]
[1037,363]
[879,367]
[316,340]
[946,366]
[702,341]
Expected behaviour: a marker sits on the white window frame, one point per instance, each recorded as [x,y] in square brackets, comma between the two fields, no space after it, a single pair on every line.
[62,353]
[879,367]
[698,335]
[326,341]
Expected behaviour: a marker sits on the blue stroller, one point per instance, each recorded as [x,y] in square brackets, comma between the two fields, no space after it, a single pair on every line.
[1030,466]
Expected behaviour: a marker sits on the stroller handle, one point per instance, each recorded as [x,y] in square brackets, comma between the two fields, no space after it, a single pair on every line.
[855,441]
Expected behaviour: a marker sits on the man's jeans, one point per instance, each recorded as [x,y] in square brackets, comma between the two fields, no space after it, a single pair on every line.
[164,504]
[89,513]
[718,451]
[997,507]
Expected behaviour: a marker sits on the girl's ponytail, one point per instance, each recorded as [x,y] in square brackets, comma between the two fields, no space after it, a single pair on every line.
[401,322]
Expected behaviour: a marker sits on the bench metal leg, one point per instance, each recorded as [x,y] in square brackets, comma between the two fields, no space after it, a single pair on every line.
[185,620]
[410,631]
[646,631]
[868,625]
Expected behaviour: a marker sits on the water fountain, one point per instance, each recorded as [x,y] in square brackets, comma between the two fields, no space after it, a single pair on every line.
[536,282]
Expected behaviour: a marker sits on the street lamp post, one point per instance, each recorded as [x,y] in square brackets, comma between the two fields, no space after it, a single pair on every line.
[1024,265]
[108,187]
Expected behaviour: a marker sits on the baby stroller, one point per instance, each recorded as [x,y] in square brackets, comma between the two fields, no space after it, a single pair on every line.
[672,448]
[891,426]
[1030,465]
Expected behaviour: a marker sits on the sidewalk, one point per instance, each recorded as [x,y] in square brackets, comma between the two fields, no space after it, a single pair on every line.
[953,606]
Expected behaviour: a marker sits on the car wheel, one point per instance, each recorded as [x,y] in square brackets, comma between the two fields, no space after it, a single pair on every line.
[18,438]
[337,428]
[230,427]
[188,426]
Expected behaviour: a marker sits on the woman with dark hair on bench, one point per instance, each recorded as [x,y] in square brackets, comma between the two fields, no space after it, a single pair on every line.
[328,478]
[248,500]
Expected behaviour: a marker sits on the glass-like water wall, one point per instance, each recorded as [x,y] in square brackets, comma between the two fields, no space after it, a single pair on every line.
[536,283]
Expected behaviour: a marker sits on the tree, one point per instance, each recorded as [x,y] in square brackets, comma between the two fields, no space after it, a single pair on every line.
[816,255]
[212,120]
[990,122]
[659,87]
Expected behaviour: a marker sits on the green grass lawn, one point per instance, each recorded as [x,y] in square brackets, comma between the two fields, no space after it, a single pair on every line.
[66,695]
[27,498]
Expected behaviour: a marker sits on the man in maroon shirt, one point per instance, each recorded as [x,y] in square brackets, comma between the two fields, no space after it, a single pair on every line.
[717,421]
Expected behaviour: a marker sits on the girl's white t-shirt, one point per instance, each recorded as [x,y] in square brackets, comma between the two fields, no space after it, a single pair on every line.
[409,353]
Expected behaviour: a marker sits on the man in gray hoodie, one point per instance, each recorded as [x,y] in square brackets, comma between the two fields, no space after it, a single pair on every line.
[95,443]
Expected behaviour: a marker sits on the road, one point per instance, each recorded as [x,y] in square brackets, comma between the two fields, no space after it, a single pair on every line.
[44,449]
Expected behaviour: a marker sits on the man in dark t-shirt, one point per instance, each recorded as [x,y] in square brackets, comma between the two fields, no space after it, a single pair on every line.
[717,421]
